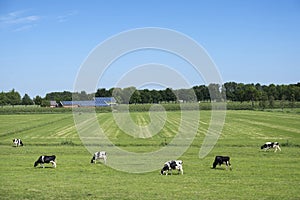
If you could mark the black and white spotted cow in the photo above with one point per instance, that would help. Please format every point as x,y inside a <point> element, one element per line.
<point>219,160</point>
<point>269,145</point>
<point>17,142</point>
<point>99,155</point>
<point>46,159</point>
<point>172,165</point>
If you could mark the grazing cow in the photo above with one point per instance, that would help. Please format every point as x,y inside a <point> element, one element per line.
<point>17,142</point>
<point>269,145</point>
<point>99,155</point>
<point>172,165</point>
<point>46,159</point>
<point>222,160</point>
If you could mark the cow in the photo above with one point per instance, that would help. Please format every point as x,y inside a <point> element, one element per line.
<point>99,155</point>
<point>17,142</point>
<point>46,159</point>
<point>222,160</point>
<point>172,165</point>
<point>269,145</point>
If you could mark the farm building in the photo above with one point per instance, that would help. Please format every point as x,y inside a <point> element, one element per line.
<point>96,102</point>
<point>53,104</point>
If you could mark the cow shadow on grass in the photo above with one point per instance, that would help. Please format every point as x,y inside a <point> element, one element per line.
<point>218,168</point>
<point>98,163</point>
<point>221,169</point>
<point>45,167</point>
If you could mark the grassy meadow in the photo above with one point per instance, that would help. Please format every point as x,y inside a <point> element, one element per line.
<point>255,175</point>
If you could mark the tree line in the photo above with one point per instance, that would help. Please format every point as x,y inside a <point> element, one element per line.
<point>230,91</point>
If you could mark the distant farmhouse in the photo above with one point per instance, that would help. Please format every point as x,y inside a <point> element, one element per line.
<point>96,102</point>
<point>53,104</point>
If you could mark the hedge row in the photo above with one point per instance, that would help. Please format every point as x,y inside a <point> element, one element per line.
<point>152,107</point>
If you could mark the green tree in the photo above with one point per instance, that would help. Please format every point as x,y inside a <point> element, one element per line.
<point>37,100</point>
<point>3,99</point>
<point>156,96</point>
<point>145,96</point>
<point>250,93</point>
<point>282,102</point>
<point>127,93</point>
<point>102,92</point>
<point>45,103</point>
<point>263,100</point>
<point>169,95</point>
<point>26,100</point>
<point>135,97</point>
<point>59,96</point>
<point>202,93</point>
<point>187,95</point>
<point>14,98</point>
<point>271,101</point>
<point>215,91</point>
<point>292,102</point>
<point>117,94</point>
<point>231,90</point>
<point>240,92</point>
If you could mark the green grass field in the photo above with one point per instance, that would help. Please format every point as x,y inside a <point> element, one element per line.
<point>256,174</point>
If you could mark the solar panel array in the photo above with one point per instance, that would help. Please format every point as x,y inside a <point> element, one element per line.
<point>97,102</point>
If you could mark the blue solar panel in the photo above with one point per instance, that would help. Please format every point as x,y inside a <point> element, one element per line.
<point>98,101</point>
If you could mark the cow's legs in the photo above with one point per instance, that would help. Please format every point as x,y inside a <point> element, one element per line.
<point>276,148</point>
<point>53,164</point>
<point>279,148</point>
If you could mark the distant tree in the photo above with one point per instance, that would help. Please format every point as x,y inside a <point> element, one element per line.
<point>271,101</point>
<point>117,94</point>
<point>230,90</point>
<point>156,96</point>
<point>145,96</point>
<point>250,93</point>
<point>135,97</point>
<point>240,92</point>
<point>102,92</point>
<point>14,98</point>
<point>37,100</point>
<point>202,93</point>
<point>187,95</point>
<point>272,91</point>
<point>263,100</point>
<point>45,103</point>
<point>282,102</point>
<point>292,102</point>
<point>82,96</point>
<point>26,100</point>
<point>169,95</point>
<point>59,96</point>
<point>215,92</point>
<point>3,99</point>
<point>127,93</point>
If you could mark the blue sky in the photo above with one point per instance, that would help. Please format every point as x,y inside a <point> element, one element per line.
<point>44,43</point>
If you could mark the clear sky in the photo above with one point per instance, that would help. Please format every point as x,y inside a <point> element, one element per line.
<point>44,43</point>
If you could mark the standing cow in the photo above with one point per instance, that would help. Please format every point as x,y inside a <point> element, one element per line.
<point>99,155</point>
<point>46,159</point>
<point>269,145</point>
<point>17,142</point>
<point>219,160</point>
<point>172,165</point>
